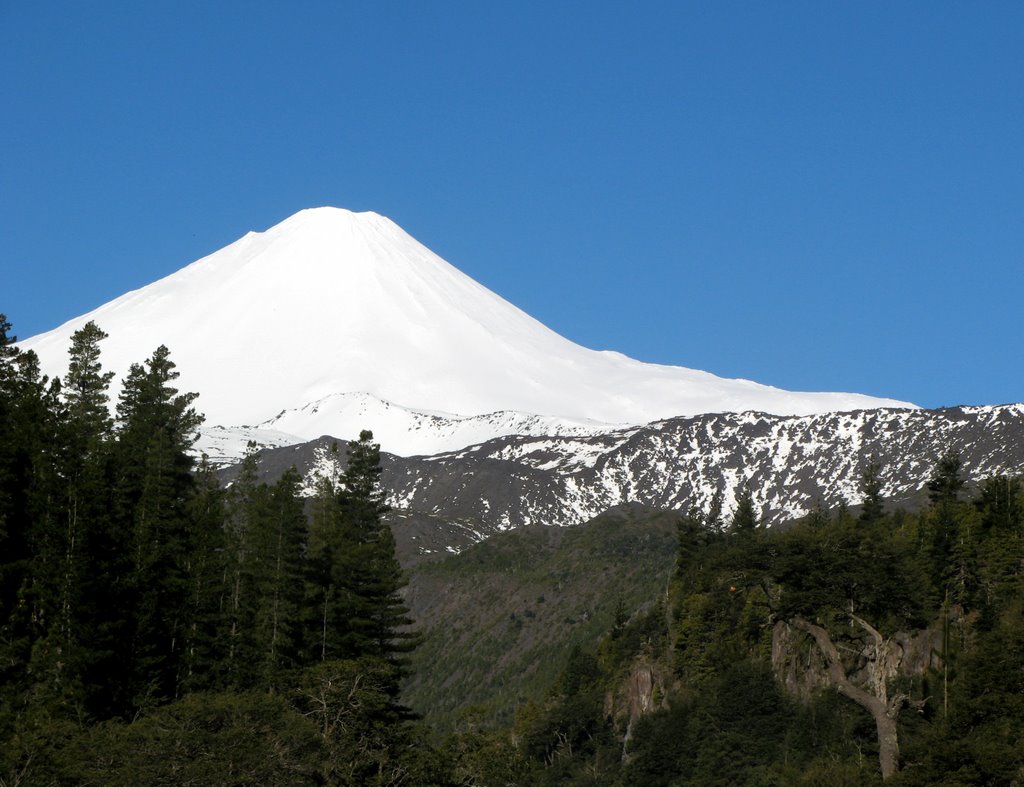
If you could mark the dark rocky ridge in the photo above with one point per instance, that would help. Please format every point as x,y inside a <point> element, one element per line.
<point>444,502</point>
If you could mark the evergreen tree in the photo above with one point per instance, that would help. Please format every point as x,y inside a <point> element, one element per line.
<point>693,537</point>
<point>260,633</point>
<point>872,509</point>
<point>14,461</point>
<point>325,542</point>
<point>280,539</point>
<point>7,349</point>
<point>1001,505</point>
<point>354,577</point>
<point>237,637</point>
<point>946,483</point>
<point>817,517</point>
<point>157,427</point>
<point>744,517</point>
<point>1000,551</point>
<point>70,536</point>
<point>377,612</point>
<point>26,479</point>
<point>713,517</point>
<point>944,532</point>
<point>85,391</point>
<point>206,572</point>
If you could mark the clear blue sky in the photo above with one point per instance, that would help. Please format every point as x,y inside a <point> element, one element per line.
<point>818,196</point>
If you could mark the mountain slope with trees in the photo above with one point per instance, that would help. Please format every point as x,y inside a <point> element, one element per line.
<point>840,650</point>
<point>496,617</point>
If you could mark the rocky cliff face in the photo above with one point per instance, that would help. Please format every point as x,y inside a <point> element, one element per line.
<point>643,691</point>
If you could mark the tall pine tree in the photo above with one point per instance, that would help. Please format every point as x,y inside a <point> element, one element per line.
<point>26,479</point>
<point>206,570</point>
<point>237,638</point>
<point>872,509</point>
<point>156,428</point>
<point>280,540</point>
<point>354,576</point>
<point>70,538</point>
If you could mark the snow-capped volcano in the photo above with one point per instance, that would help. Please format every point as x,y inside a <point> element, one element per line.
<point>330,303</point>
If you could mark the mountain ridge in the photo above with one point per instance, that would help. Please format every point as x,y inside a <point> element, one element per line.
<point>789,464</point>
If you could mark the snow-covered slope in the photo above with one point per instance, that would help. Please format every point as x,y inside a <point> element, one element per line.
<point>418,432</point>
<point>330,302</point>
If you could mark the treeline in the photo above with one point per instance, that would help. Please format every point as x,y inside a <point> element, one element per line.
<point>838,650</point>
<point>156,628</point>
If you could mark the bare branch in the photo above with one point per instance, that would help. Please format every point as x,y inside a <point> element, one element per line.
<point>871,630</point>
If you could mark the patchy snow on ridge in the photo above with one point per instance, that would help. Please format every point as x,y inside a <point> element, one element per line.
<point>274,327</point>
<point>407,432</point>
<point>789,464</point>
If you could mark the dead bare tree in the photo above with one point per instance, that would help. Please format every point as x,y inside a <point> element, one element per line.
<point>884,656</point>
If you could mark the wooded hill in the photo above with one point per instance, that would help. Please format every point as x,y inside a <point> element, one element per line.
<point>841,650</point>
<point>498,619</point>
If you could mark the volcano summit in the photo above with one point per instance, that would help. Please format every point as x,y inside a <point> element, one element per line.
<point>332,320</point>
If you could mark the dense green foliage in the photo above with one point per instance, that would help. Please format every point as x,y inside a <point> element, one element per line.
<point>156,629</point>
<point>724,682</point>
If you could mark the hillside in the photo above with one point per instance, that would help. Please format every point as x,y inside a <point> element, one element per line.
<point>837,650</point>
<point>498,619</point>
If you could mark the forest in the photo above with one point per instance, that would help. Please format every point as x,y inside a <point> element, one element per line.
<point>839,650</point>
<point>156,628</point>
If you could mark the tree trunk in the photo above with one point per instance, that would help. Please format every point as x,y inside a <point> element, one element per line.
<point>888,743</point>
<point>883,710</point>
